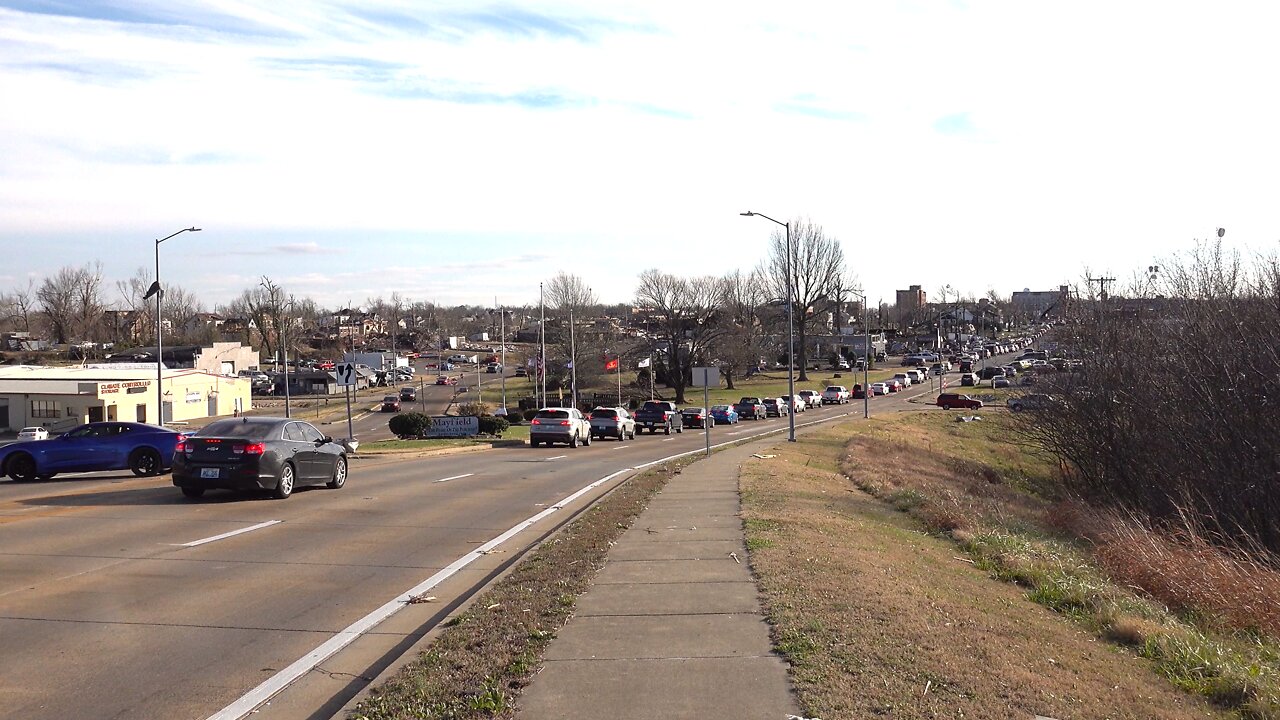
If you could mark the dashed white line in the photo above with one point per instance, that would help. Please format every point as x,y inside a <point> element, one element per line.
<point>233,533</point>
<point>455,477</point>
<point>557,457</point>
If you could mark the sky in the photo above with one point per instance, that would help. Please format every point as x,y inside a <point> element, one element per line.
<point>462,152</point>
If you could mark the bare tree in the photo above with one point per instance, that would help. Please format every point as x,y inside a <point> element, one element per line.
<point>816,261</point>
<point>17,307</point>
<point>689,309</point>
<point>71,300</point>
<point>178,306</point>
<point>739,347</point>
<point>565,291</point>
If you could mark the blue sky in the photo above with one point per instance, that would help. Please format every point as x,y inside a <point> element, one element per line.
<point>462,151</point>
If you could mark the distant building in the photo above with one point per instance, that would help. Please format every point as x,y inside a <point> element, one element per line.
<point>1032,304</point>
<point>910,304</point>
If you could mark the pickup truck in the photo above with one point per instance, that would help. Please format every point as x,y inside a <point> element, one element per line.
<point>656,414</point>
<point>835,395</point>
<point>751,407</point>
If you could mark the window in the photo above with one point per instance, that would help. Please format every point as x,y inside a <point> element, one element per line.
<point>293,432</point>
<point>44,409</point>
<point>71,412</point>
<point>310,433</point>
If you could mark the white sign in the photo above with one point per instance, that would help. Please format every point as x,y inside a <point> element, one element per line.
<point>706,377</point>
<point>346,373</point>
<point>450,426</point>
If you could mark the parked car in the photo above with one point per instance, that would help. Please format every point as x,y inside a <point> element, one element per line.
<point>751,407</point>
<point>812,398</point>
<point>970,379</point>
<point>33,433</point>
<point>143,449</point>
<point>391,403</point>
<point>879,388</point>
<point>258,453</point>
<point>446,380</point>
<point>612,422</point>
<point>559,425</point>
<point>694,417</point>
<point>946,401</point>
<point>835,395</point>
<point>659,415</point>
<point>776,407</point>
<point>1000,382</point>
<point>521,372</point>
<point>1030,402</point>
<point>724,414</point>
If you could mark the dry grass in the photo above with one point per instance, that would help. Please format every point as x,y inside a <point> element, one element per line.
<point>1221,643</point>
<point>881,620</point>
<point>486,655</point>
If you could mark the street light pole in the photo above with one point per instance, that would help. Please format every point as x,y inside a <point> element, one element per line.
<point>866,357</point>
<point>159,293</point>
<point>791,333</point>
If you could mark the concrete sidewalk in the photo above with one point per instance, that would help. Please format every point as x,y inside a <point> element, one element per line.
<point>672,627</point>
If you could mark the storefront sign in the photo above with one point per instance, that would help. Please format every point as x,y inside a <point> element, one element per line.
<point>449,426</point>
<point>193,396</point>
<point>131,386</point>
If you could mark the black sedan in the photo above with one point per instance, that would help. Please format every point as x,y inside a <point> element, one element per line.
<point>258,453</point>
<point>694,417</point>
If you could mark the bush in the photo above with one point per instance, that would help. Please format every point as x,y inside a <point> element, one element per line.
<point>513,418</point>
<point>529,415</point>
<point>409,425</point>
<point>493,425</point>
<point>473,409</point>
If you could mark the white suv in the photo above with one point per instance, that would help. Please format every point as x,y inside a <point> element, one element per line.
<point>553,425</point>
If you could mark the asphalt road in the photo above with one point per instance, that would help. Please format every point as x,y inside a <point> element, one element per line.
<point>120,598</point>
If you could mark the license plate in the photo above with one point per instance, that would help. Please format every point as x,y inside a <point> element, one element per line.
<point>209,473</point>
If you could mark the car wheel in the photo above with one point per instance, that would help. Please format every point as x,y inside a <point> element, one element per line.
<point>22,468</point>
<point>339,474</point>
<point>145,462</point>
<point>680,429</point>
<point>193,492</point>
<point>284,488</point>
<point>586,442</point>
<point>667,429</point>
<point>533,443</point>
<point>573,440</point>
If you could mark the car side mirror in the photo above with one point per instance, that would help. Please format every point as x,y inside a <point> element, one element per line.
<point>324,441</point>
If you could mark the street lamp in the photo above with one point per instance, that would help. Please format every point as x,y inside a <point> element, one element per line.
<point>155,290</point>
<point>791,337</point>
<point>866,355</point>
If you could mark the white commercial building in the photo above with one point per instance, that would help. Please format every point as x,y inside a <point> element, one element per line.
<point>61,398</point>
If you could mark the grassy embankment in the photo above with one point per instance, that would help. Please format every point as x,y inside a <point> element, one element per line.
<point>875,546</point>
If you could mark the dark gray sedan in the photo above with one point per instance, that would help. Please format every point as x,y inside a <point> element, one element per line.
<point>258,453</point>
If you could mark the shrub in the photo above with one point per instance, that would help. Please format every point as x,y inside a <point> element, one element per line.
<point>409,425</point>
<point>493,425</point>
<point>514,418</point>
<point>473,409</point>
<point>529,415</point>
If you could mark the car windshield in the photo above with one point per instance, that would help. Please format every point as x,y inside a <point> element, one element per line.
<point>238,429</point>
<point>719,408</point>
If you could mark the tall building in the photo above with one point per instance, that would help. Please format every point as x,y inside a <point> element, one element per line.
<point>1031,304</point>
<point>911,304</point>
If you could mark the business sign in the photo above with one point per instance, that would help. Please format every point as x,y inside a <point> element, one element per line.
<point>132,386</point>
<point>450,426</point>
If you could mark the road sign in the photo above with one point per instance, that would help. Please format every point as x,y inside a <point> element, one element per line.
<point>706,377</point>
<point>346,373</point>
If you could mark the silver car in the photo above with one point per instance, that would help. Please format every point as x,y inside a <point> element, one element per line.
<point>564,425</point>
<point>612,422</point>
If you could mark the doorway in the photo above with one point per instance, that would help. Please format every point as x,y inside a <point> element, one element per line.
<point>95,414</point>
<point>142,413</point>
<point>111,413</point>
<point>213,405</point>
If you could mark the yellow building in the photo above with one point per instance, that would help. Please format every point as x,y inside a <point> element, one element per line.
<point>61,398</point>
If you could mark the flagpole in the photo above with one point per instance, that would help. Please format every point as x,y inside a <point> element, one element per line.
<point>650,375</point>
<point>619,381</point>
<point>502,338</point>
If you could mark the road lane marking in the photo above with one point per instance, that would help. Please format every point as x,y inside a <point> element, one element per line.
<point>668,439</point>
<point>557,457</point>
<point>282,679</point>
<point>455,477</point>
<point>233,533</point>
<point>622,447</point>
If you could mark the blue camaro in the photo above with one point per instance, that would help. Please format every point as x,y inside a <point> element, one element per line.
<point>144,449</point>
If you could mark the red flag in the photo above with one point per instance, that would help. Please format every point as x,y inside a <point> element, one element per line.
<point>611,364</point>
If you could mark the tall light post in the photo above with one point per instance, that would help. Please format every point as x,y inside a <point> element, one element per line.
<point>159,293</point>
<point>791,333</point>
<point>866,355</point>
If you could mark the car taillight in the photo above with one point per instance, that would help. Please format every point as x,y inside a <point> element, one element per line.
<point>536,421</point>
<point>564,422</point>
<point>249,449</point>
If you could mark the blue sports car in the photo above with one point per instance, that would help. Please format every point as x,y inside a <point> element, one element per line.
<point>144,449</point>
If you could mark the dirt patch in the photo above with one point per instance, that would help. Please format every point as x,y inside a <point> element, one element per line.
<point>882,620</point>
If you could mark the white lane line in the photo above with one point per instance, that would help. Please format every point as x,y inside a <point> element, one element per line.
<point>305,664</point>
<point>622,447</point>
<point>557,457</point>
<point>226,535</point>
<point>455,477</point>
<point>668,439</point>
